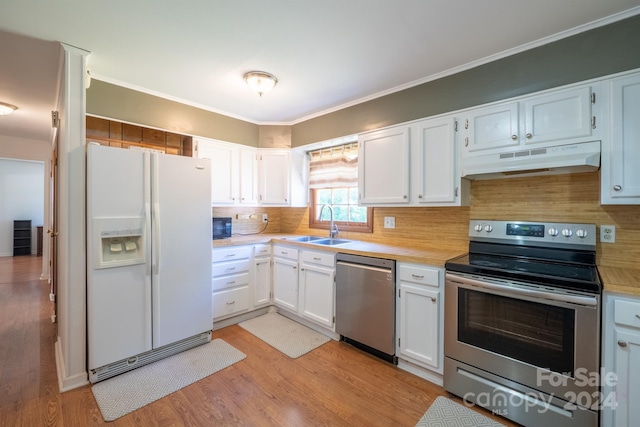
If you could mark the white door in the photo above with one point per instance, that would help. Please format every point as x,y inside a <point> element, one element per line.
<point>181,248</point>
<point>224,173</point>
<point>433,161</point>
<point>558,116</point>
<point>248,177</point>
<point>285,283</point>
<point>492,127</point>
<point>627,389</point>
<point>118,298</point>
<point>275,169</point>
<point>317,293</point>
<point>261,282</point>
<point>419,316</point>
<point>383,163</point>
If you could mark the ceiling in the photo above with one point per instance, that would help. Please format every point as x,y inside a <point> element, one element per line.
<point>326,54</point>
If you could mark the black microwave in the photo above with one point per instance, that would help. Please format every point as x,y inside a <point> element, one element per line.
<point>221,227</point>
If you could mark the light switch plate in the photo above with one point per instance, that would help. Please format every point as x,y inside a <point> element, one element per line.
<point>607,233</point>
<point>389,222</point>
<point>265,218</point>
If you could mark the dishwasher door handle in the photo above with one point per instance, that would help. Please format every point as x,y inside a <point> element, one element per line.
<point>364,267</point>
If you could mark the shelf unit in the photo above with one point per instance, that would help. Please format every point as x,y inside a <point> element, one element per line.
<point>21,237</point>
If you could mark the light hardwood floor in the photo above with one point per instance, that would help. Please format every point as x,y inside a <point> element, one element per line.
<point>334,385</point>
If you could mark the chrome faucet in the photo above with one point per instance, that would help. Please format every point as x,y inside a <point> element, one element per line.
<point>333,229</point>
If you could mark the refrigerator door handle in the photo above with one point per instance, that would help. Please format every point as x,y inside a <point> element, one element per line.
<point>156,238</point>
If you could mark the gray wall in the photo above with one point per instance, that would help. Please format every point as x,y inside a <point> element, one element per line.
<point>599,52</point>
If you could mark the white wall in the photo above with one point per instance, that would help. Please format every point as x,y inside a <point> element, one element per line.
<point>21,197</point>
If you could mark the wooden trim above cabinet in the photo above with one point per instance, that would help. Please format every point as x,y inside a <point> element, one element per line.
<point>124,135</point>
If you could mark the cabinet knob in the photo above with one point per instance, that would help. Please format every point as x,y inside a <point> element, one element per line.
<point>433,299</point>
<point>514,137</point>
<point>622,344</point>
<point>404,197</point>
<point>617,187</point>
<point>419,196</point>
<point>466,141</point>
<point>529,136</point>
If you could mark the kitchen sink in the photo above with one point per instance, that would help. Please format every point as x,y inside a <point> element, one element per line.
<point>330,242</point>
<point>311,239</point>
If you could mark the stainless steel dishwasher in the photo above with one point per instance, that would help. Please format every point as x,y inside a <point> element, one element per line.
<point>366,303</point>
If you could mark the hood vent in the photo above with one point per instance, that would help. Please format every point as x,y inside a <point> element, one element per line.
<point>573,158</point>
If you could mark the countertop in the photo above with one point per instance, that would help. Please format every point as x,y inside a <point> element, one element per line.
<point>614,279</point>
<point>424,255</point>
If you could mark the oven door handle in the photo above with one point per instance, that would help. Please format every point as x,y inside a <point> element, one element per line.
<point>573,299</point>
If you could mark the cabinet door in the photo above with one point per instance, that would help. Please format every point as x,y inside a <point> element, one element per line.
<point>261,282</point>
<point>558,116</point>
<point>317,293</point>
<point>620,154</point>
<point>285,283</point>
<point>419,314</point>
<point>627,389</point>
<point>383,162</point>
<point>223,171</point>
<point>248,177</point>
<point>491,127</point>
<point>433,161</point>
<point>274,177</point>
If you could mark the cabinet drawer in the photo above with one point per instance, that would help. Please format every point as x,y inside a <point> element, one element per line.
<point>419,274</point>
<point>627,313</point>
<point>231,267</point>
<point>285,252</point>
<point>230,301</point>
<point>230,281</point>
<point>228,254</point>
<point>261,250</point>
<point>321,258</point>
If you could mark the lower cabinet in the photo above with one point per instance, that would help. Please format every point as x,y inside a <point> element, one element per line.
<point>285,277</point>
<point>621,356</point>
<point>419,311</point>
<point>317,287</point>
<point>261,279</point>
<point>231,281</point>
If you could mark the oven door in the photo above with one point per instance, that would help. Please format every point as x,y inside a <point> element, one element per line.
<point>538,337</point>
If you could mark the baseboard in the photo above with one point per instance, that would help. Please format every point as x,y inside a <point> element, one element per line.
<point>66,383</point>
<point>219,324</point>
<point>421,372</point>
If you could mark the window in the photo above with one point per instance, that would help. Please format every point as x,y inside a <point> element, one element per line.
<point>333,180</point>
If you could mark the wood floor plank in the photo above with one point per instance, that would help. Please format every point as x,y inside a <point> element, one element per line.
<point>334,385</point>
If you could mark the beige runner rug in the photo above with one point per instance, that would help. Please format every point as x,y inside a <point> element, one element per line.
<point>283,334</point>
<point>132,390</point>
<point>445,412</point>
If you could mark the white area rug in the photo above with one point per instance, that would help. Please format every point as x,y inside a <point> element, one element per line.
<point>132,390</point>
<point>285,335</point>
<point>447,413</point>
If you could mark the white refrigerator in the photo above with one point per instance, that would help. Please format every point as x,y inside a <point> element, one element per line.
<point>148,257</point>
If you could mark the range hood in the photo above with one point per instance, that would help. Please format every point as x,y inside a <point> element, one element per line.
<point>573,158</point>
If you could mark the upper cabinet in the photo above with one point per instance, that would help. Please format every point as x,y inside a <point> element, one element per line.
<point>412,165</point>
<point>234,172</point>
<point>383,166</point>
<point>620,175</point>
<point>559,117</point>
<point>283,177</point>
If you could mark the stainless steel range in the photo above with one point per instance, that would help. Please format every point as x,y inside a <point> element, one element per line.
<point>522,322</point>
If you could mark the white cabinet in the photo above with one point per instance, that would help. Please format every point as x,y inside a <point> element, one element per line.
<point>317,287</point>
<point>383,166</point>
<point>621,350</point>
<point>419,312</point>
<point>285,277</point>
<point>620,175</point>
<point>283,178</point>
<point>230,281</point>
<point>557,117</point>
<point>261,275</point>
<point>234,172</point>
<point>435,175</point>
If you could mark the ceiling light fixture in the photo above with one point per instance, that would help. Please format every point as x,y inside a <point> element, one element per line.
<point>260,82</point>
<point>6,109</point>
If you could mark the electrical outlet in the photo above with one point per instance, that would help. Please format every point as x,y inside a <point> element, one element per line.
<point>389,222</point>
<point>265,218</point>
<point>607,233</point>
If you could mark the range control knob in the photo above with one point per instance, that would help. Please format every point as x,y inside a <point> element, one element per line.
<point>488,228</point>
<point>478,227</point>
<point>553,231</point>
<point>581,233</point>
<point>567,233</point>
